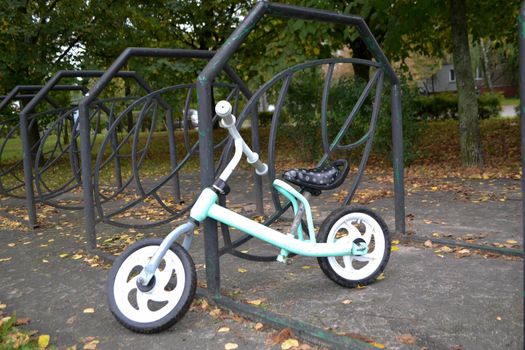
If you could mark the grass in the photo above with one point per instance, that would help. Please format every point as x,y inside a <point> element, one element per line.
<point>11,337</point>
<point>437,148</point>
<point>510,102</point>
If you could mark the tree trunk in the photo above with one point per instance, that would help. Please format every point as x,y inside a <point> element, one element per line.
<point>359,50</point>
<point>470,143</point>
<point>485,61</point>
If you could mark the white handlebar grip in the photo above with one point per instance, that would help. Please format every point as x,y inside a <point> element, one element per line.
<point>223,109</point>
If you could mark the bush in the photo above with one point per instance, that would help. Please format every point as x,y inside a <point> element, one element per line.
<point>445,105</point>
<point>303,110</point>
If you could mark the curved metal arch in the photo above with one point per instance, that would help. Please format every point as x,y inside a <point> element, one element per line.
<point>286,77</point>
<point>137,157</point>
<point>205,111</point>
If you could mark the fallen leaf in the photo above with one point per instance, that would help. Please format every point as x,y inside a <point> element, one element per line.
<point>427,221</point>
<point>92,345</point>
<point>258,326</point>
<point>347,302</point>
<point>21,321</point>
<point>223,330</point>
<point>281,336</point>
<point>43,341</point>
<point>511,241</point>
<point>394,248</point>
<point>406,339</point>
<point>395,241</point>
<point>215,312</point>
<point>76,256</point>
<point>241,270</point>
<point>89,310</point>
<point>11,245</point>
<point>289,343</point>
<point>230,346</point>
<point>380,277</point>
<point>2,306</point>
<point>463,253</point>
<point>498,318</point>
<point>255,302</point>
<point>428,243</point>
<point>64,255</point>
<point>71,320</point>
<point>5,259</point>
<point>377,345</point>
<point>45,261</point>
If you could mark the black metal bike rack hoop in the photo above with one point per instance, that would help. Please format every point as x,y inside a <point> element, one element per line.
<point>26,118</point>
<point>90,176</point>
<point>9,126</point>
<point>218,61</point>
<point>210,72</point>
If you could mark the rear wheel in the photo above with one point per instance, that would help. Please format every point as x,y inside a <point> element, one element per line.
<point>355,224</point>
<point>160,304</point>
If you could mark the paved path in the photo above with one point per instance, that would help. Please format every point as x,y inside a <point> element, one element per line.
<point>440,300</point>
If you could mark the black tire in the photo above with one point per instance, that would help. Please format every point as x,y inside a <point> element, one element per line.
<point>137,256</point>
<point>332,267</point>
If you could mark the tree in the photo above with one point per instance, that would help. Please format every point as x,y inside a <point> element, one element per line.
<point>469,134</point>
<point>436,27</point>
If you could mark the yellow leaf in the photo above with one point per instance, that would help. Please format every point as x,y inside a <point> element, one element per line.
<point>64,255</point>
<point>242,270</point>
<point>380,277</point>
<point>43,341</point>
<point>394,248</point>
<point>89,310</point>
<point>395,241</point>
<point>255,302</point>
<point>76,256</point>
<point>5,259</point>
<point>45,261</point>
<point>289,343</point>
<point>511,241</point>
<point>427,221</point>
<point>215,312</point>
<point>347,301</point>
<point>377,345</point>
<point>92,345</point>
<point>223,330</point>
<point>11,245</point>
<point>230,346</point>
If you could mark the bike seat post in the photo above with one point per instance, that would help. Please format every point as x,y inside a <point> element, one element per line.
<point>298,216</point>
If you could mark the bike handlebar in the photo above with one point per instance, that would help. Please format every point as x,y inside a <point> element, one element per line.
<point>224,110</point>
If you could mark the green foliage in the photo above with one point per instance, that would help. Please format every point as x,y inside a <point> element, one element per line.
<point>445,105</point>
<point>303,110</point>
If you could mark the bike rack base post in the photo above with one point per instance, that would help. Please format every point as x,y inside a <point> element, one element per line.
<point>397,159</point>
<point>301,329</point>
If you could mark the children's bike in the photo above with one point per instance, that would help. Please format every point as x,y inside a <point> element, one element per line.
<point>152,284</point>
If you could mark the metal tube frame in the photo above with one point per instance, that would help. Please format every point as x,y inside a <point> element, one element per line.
<point>205,112</point>
<point>87,172</point>
<point>24,122</point>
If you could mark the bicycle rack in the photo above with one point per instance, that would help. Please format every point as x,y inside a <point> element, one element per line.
<point>10,181</point>
<point>35,166</point>
<point>149,107</point>
<point>382,69</point>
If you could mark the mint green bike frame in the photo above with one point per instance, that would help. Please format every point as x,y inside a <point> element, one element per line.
<point>206,207</point>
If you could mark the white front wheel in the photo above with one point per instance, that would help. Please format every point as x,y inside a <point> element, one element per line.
<point>160,304</point>
<point>355,225</point>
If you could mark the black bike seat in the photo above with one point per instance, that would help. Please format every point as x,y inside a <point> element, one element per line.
<point>319,179</point>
